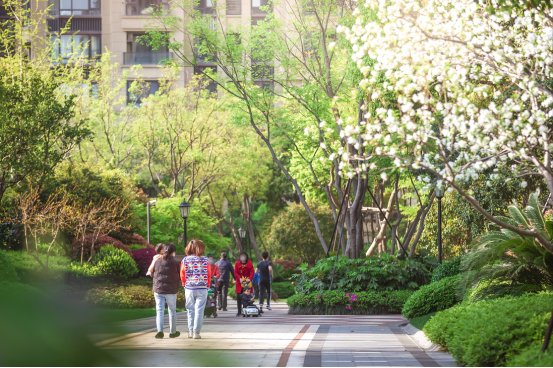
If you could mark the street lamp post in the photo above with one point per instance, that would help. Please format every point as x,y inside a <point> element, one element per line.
<point>149,205</point>
<point>242,232</point>
<point>184,208</point>
<point>439,195</point>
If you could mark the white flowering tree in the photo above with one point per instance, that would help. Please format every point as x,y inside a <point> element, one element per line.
<point>473,91</point>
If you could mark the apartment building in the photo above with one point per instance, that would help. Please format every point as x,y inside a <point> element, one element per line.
<point>115,25</point>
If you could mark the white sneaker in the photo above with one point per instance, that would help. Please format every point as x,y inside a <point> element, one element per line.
<point>197,335</point>
<point>190,334</point>
<point>269,307</point>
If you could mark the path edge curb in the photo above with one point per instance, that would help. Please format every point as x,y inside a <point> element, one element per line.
<point>420,338</point>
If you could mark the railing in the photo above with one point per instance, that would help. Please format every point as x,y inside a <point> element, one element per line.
<point>145,58</point>
<point>145,8</point>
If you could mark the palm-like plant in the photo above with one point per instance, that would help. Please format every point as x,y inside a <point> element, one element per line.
<point>503,262</point>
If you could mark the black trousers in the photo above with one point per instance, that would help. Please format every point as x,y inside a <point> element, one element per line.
<point>239,303</point>
<point>222,290</point>
<point>264,285</point>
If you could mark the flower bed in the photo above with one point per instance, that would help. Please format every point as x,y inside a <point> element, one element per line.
<point>340,302</point>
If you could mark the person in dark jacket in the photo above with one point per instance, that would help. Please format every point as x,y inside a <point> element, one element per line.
<point>225,272</point>
<point>166,277</point>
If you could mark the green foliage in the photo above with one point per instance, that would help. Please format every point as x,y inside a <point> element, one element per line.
<point>137,246</point>
<point>115,262</point>
<point>435,297</point>
<point>490,332</point>
<point>446,269</point>
<point>420,322</point>
<point>167,224</point>
<point>386,272</point>
<point>28,269</point>
<point>107,315</point>
<point>293,232</point>
<point>127,297</point>
<point>341,302</point>
<point>508,263</point>
<point>283,289</point>
<point>7,270</point>
<point>35,133</point>
<point>57,331</point>
<point>533,357</point>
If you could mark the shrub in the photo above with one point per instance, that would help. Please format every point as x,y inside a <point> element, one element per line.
<point>7,270</point>
<point>287,265</point>
<point>137,246</point>
<point>419,322</point>
<point>533,357</point>
<point>127,297</point>
<point>127,237</point>
<point>340,302</point>
<point>432,298</point>
<point>283,289</point>
<point>143,258</point>
<point>100,242</point>
<point>29,270</point>
<point>490,332</point>
<point>446,269</point>
<point>115,262</point>
<point>378,273</point>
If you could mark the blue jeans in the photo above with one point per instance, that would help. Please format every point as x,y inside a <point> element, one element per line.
<point>171,300</point>
<point>195,305</point>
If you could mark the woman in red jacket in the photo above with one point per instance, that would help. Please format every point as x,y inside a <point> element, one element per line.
<point>242,268</point>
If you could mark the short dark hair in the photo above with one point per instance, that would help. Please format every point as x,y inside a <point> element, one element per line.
<point>210,256</point>
<point>265,255</point>
<point>224,255</point>
<point>159,248</point>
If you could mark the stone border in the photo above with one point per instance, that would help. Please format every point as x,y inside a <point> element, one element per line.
<point>419,337</point>
<point>410,346</point>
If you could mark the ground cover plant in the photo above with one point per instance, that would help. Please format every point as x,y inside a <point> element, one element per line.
<point>420,322</point>
<point>434,297</point>
<point>341,302</point>
<point>126,297</point>
<point>491,332</point>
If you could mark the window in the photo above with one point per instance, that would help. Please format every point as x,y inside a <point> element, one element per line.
<point>74,7</point>
<point>210,85</point>
<point>266,85</point>
<point>234,7</point>
<point>202,52</point>
<point>257,4</point>
<point>139,53</point>
<point>78,46</point>
<point>134,96</point>
<point>145,7</point>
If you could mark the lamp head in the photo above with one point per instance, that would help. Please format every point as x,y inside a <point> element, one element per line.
<point>184,209</point>
<point>242,232</point>
<point>439,192</point>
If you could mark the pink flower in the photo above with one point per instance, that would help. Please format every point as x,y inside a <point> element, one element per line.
<point>348,307</point>
<point>347,294</point>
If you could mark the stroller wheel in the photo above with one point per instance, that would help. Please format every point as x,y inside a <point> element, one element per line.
<point>249,315</point>
<point>243,315</point>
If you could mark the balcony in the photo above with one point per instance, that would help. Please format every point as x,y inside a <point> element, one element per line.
<point>145,7</point>
<point>145,58</point>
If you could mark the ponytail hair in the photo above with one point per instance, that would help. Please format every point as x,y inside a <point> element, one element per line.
<point>169,250</point>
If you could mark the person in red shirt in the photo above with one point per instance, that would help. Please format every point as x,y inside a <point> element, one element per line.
<point>213,268</point>
<point>242,269</point>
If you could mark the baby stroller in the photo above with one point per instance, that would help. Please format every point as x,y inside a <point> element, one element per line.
<point>249,309</point>
<point>211,303</point>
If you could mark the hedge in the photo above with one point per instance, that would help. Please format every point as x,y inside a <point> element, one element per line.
<point>283,289</point>
<point>446,269</point>
<point>533,357</point>
<point>127,297</point>
<point>340,302</point>
<point>491,332</point>
<point>432,298</point>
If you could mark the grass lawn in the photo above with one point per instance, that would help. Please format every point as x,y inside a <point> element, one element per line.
<point>108,315</point>
<point>419,322</point>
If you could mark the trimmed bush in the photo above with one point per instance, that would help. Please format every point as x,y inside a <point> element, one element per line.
<point>137,246</point>
<point>115,262</point>
<point>446,269</point>
<point>7,270</point>
<point>491,332</point>
<point>127,297</point>
<point>287,265</point>
<point>432,298</point>
<point>533,357</point>
<point>283,289</point>
<point>340,302</point>
<point>143,258</point>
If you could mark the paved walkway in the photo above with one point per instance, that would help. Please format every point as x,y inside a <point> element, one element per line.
<point>274,340</point>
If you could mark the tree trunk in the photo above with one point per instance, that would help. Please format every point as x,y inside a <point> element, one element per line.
<point>250,228</point>
<point>381,237</point>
